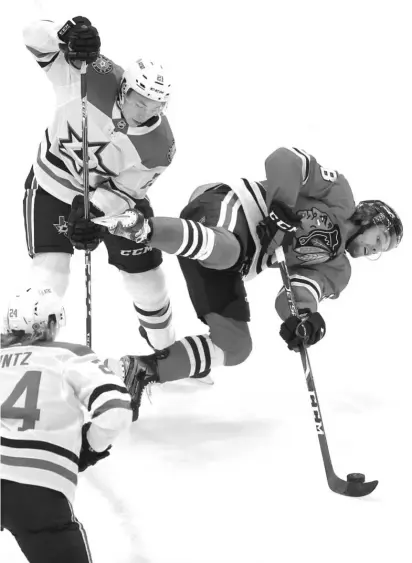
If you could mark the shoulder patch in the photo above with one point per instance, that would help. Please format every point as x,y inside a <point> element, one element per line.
<point>171,152</point>
<point>102,65</point>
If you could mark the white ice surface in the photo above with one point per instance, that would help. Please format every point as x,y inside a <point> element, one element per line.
<point>233,473</point>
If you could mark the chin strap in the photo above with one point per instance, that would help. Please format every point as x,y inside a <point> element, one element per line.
<point>361,230</point>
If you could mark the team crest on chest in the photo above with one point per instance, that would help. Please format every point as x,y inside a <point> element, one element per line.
<point>102,65</point>
<point>71,148</point>
<point>319,239</point>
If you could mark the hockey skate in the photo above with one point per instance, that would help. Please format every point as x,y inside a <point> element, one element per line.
<point>160,354</point>
<point>131,224</point>
<point>140,372</point>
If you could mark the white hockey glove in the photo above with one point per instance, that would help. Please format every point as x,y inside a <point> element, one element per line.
<point>130,224</point>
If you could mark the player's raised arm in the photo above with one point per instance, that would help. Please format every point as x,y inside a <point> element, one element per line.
<point>42,41</point>
<point>56,43</point>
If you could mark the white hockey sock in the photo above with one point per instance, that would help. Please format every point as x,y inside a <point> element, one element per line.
<point>158,325</point>
<point>51,269</point>
<point>198,241</point>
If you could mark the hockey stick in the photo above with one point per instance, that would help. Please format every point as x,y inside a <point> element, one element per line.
<point>85,151</point>
<point>355,485</point>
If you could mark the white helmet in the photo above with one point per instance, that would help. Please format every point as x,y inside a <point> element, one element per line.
<point>32,311</point>
<point>146,78</point>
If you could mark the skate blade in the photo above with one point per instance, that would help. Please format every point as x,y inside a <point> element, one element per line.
<point>107,220</point>
<point>207,380</point>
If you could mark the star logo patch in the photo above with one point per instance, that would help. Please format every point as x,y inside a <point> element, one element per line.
<point>102,65</point>
<point>72,148</point>
<point>61,226</point>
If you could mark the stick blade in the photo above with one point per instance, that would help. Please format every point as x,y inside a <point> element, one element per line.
<point>360,489</point>
<point>349,489</point>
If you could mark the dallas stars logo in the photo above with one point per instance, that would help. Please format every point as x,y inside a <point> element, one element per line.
<point>61,226</point>
<point>72,149</point>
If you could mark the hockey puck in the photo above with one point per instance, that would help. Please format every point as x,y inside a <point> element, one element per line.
<point>356,478</point>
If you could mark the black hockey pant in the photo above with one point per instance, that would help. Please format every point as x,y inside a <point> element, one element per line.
<point>43,524</point>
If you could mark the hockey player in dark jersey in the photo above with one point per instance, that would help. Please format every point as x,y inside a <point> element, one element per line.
<point>45,389</point>
<point>130,145</point>
<point>228,233</point>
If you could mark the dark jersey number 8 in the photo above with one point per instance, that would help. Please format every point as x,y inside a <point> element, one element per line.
<point>328,174</point>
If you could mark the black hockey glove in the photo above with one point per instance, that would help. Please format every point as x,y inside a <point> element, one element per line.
<point>308,329</point>
<point>83,233</point>
<point>272,229</point>
<point>81,38</point>
<point>87,455</point>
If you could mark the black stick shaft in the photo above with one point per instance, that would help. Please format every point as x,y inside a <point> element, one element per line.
<point>310,383</point>
<point>85,151</point>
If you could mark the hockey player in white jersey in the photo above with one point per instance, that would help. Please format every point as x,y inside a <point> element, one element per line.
<point>45,388</point>
<point>227,235</point>
<point>130,145</point>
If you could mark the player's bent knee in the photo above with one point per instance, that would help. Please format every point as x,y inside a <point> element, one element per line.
<point>237,355</point>
<point>232,336</point>
<point>226,250</point>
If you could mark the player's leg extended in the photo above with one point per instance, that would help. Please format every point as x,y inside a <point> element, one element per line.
<point>229,342</point>
<point>214,247</point>
<point>144,280</point>
<point>45,220</point>
<point>43,524</point>
<point>212,229</point>
<point>196,236</point>
<point>219,299</point>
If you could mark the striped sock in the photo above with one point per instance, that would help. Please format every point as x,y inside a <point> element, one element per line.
<point>158,325</point>
<point>198,241</point>
<point>190,357</point>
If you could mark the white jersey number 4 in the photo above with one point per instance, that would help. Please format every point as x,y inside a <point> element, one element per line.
<point>30,414</point>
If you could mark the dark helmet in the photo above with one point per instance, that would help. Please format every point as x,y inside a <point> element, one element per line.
<point>375,212</point>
